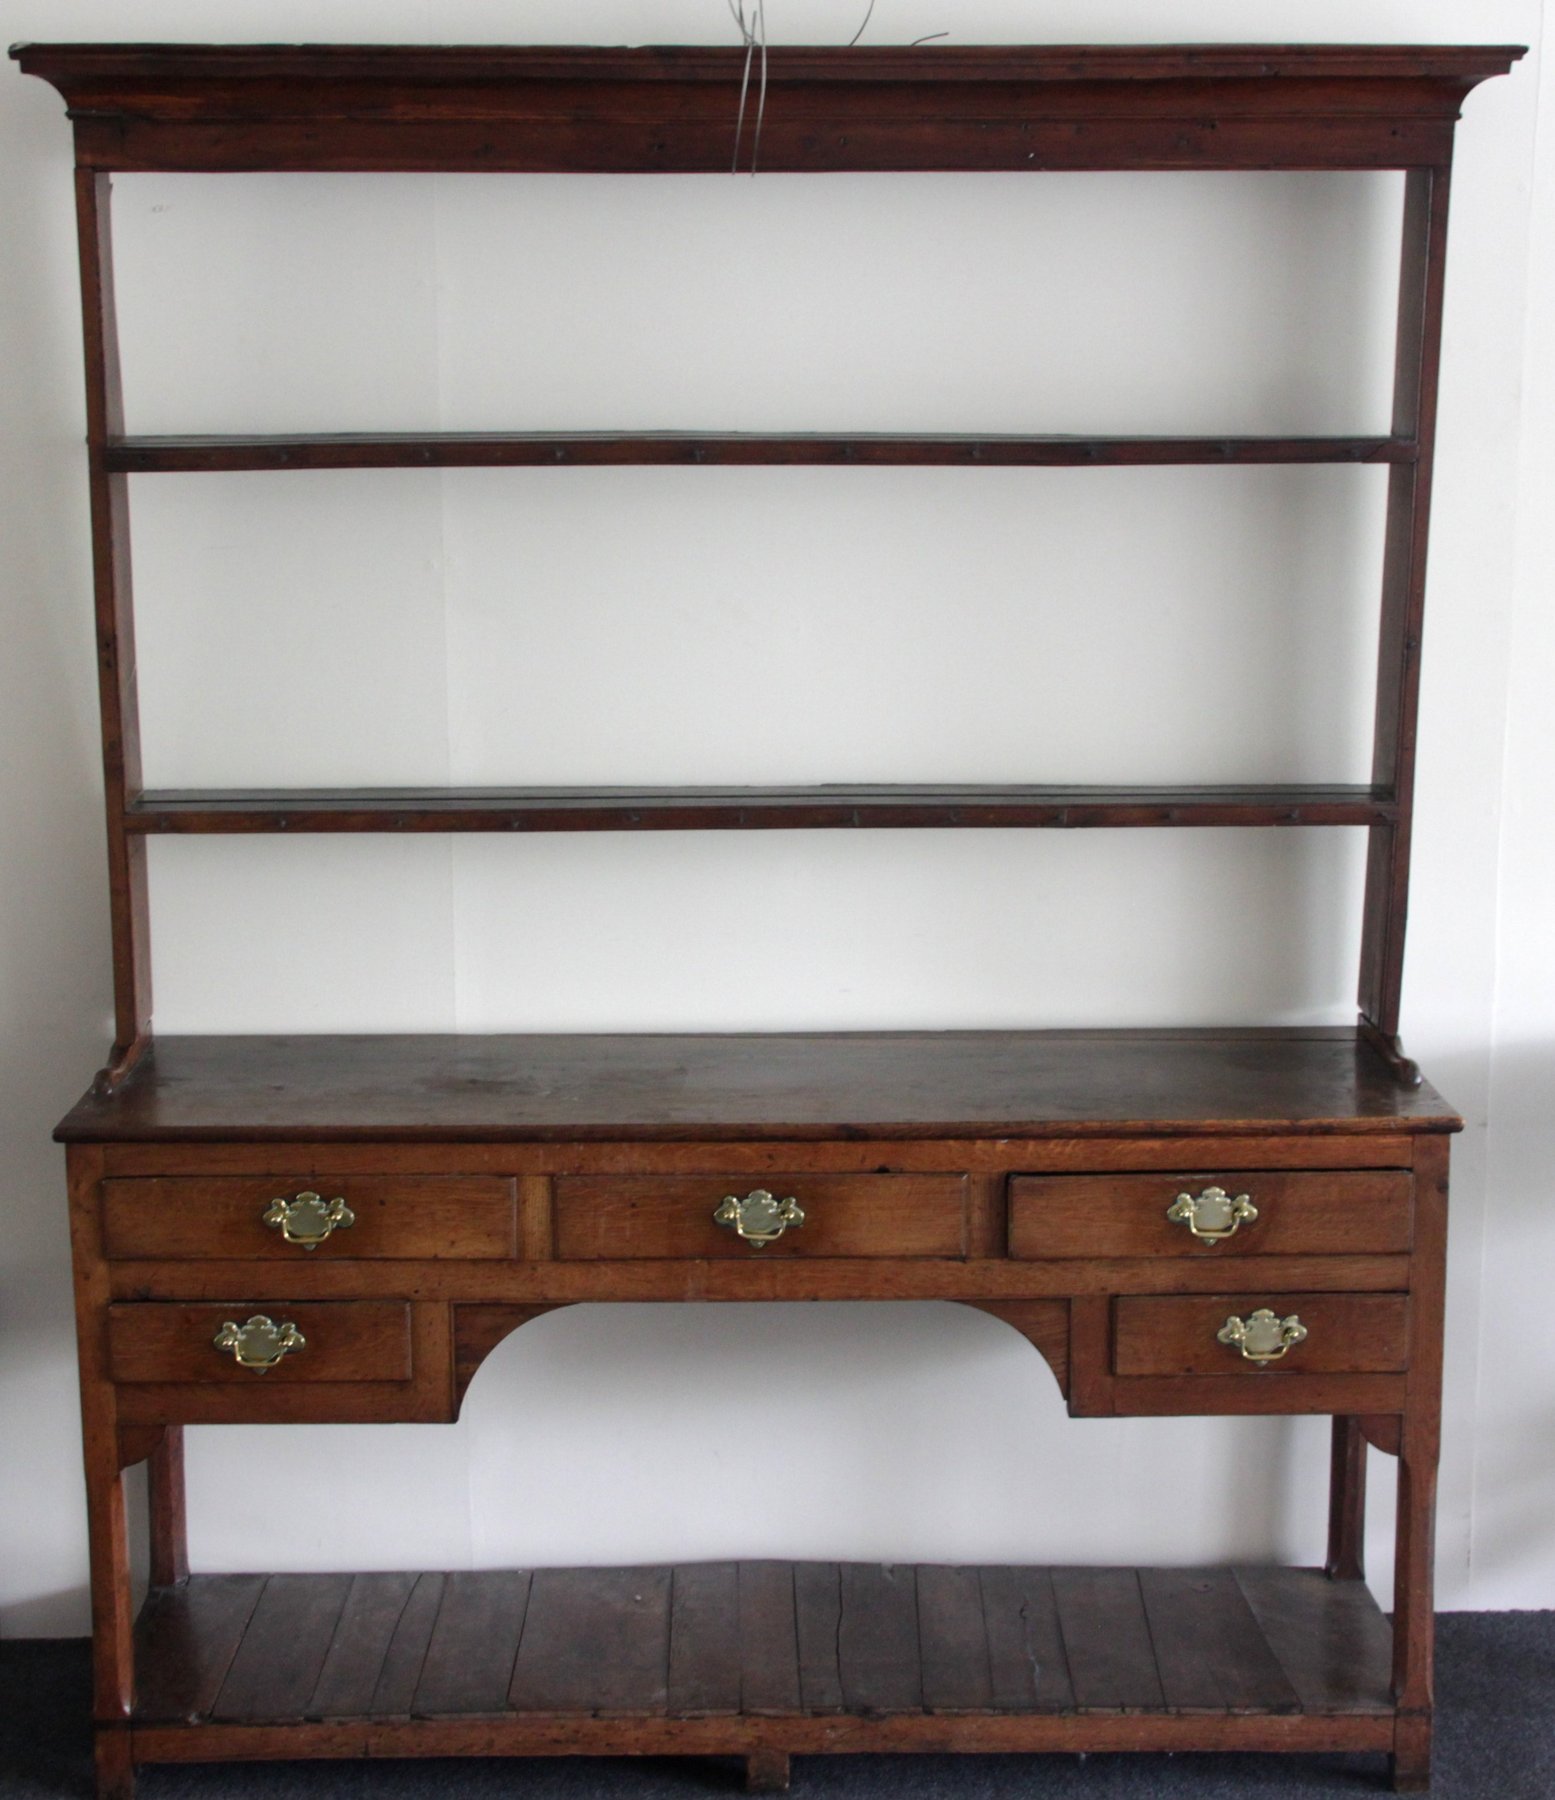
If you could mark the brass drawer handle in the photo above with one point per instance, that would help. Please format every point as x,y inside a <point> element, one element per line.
<point>260,1343</point>
<point>308,1218</point>
<point>759,1218</point>
<point>1213,1215</point>
<point>1264,1336</point>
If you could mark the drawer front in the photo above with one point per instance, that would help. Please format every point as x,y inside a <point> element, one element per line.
<point>343,1340</point>
<point>605,1217</point>
<point>263,1218</point>
<point>1327,1212</point>
<point>1175,1334</point>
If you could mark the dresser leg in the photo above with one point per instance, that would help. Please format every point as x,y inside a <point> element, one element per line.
<point>1347,1502</point>
<point>165,1485</point>
<point>766,1772</point>
<point>1411,1759</point>
<point>115,1771</point>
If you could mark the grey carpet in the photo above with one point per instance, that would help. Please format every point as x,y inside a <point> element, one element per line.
<point>1495,1741</point>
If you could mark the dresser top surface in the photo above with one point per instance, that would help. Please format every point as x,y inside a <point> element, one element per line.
<point>555,1087</point>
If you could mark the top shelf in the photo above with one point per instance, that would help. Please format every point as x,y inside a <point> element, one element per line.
<point>676,110</point>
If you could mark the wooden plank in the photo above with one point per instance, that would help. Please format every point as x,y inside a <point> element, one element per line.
<point>185,1640</point>
<point>549,449</point>
<point>278,1663</point>
<point>831,807</point>
<point>953,1640</point>
<point>704,1658</point>
<point>1107,1640</point>
<point>1210,1653</point>
<point>567,1087</point>
<point>818,1618</point>
<point>595,1641</point>
<point>769,1639</point>
<point>469,1660</point>
<point>1028,1669</point>
<point>395,1694</point>
<point>351,1671</point>
<point>877,1639</point>
<point>1331,1638</point>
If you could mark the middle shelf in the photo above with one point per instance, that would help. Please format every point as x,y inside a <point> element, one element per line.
<point>194,811</point>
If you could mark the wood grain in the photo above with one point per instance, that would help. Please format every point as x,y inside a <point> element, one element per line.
<point>796,1086</point>
<point>613,1217</point>
<point>175,1218</point>
<point>346,1340</point>
<point>1338,1212</point>
<point>1347,1334</point>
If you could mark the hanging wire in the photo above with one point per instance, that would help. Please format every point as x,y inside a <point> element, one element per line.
<point>753,35</point>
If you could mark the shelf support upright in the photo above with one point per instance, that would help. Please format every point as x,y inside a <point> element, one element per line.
<point>1416,368</point>
<point>129,904</point>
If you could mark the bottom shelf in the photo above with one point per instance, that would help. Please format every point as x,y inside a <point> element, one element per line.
<point>708,1657</point>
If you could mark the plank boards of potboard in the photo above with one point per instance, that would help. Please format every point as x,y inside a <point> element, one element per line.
<point>759,1639</point>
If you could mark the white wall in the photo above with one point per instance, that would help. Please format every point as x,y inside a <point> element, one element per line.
<point>662,625</point>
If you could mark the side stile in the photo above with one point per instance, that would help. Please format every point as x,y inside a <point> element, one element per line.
<point>1421,283</point>
<point>129,904</point>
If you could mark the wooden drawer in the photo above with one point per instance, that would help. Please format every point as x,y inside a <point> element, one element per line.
<point>1176,1334</point>
<point>608,1216</point>
<point>1317,1212</point>
<point>346,1340</point>
<point>394,1216</point>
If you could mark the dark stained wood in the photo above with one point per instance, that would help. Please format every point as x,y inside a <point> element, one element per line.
<point>185,1640</point>
<point>818,1620</point>
<point>200,1217</point>
<point>469,1661</point>
<point>595,1641</point>
<point>704,1653</point>
<point>932,107</point>
<point>1347,1501</point>
<point>769,1639</point>
<point>1160,1334</point>
<point>278,1663</point>
<point>349,1677</point>
<point>953,1640</point>
<point>1339,1212</point>
<point>1107,1643</point>
<point>877,1638</point>
<point>1422,280</point>
<point>1329,1637</point>
<point>394,1693</point>
<point>836,806</point>
<point>1209,1650</point>
<point>614,1216</point>
<point>1028,1668</point>
<point>346,1340</point>
<point>1383,1431</point>
<point>128,893</point>
<point>794,1086</point>
<point>166,1503</point>
<point>452,450</point>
